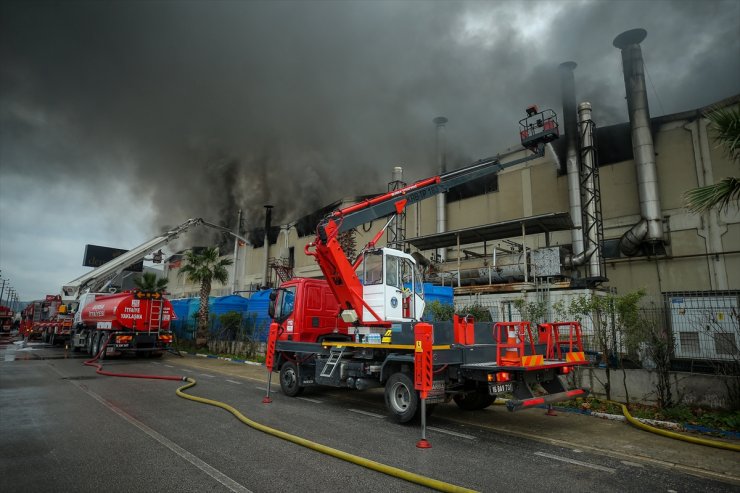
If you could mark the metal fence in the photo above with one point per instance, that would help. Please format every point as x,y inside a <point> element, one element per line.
<point>701,329</point>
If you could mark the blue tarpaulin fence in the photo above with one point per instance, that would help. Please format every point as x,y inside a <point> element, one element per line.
<point>252,311</point>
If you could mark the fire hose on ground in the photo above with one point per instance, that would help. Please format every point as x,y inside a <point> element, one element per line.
<point>666,433</point>
<point>345,456</point>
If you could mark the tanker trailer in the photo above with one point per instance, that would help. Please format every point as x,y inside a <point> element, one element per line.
<point>136,321</point>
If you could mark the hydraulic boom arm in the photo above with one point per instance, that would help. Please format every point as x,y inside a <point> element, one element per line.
<point>96,278</point>
<point>340,272</point>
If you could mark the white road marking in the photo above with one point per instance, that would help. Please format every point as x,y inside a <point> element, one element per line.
<point>200,464</point>
<point>169,366</point>
<point>206,375</point>
<point>453,433</point>
<point>576,462</point>
<point>261,388</point>
<point>156,363</point>
<point>189,371</point>
<point>632,464</point>
<point>366,413</point>
<point>233,381</point>
<point>315,401</point>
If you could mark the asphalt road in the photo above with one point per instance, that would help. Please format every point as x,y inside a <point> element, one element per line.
<point>64,428</point>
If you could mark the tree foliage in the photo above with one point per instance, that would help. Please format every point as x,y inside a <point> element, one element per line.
<point>204,268</point>
<point>725,122</point>
<point>151,283</point>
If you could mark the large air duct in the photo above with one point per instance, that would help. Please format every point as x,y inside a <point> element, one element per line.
<point>590,190</point>
<point>440,122</point>
<point>570,125</point>
<point>650,227</point>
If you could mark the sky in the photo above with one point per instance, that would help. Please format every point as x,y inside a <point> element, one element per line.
<point>120,119</point>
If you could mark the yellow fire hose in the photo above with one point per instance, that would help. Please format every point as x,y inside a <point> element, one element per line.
<point>677,436</point>
<point>360,461</point>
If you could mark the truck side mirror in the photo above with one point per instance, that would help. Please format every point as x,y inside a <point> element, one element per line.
<point>271,305</point>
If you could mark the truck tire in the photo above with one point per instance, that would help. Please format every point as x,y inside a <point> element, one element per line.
<point>474,401</point>
<point>289,379</point>
<point>102,336</point>
<point>95,344</point>
<point>401,399</point>
<point>89,342</point>
<point>72,346</point>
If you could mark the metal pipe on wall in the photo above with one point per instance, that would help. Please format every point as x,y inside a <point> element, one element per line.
<point>440,122</point>
<point>570,125</point>
<point>643,149</point>
<point>268,224</point>
<point>589,189</point>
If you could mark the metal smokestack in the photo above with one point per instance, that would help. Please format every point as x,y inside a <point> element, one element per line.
<point>440,122</point>
<point>590,190</point>
<point>268,225</point>
<point>650,228</point>
<point>570,125</point>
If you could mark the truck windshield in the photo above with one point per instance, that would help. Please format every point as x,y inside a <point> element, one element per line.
<point>285,303</point>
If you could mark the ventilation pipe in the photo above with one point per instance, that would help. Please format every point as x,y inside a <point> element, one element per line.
<point>570,125</point>
<point>591,197</point>
<point>440,122</point>
<point>650,227</point>
<point>268,224</point>
<point>396,233</point>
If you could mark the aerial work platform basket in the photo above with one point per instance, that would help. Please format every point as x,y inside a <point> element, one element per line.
<point>538,128</point>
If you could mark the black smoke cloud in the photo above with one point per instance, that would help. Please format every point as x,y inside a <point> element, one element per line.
<point>209,107</point>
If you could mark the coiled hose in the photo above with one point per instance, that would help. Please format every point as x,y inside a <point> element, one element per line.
<point>354,459</point>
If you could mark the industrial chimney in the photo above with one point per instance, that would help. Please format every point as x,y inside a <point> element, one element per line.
<point>650,227</point>
<point>570,125</point>
<point>268,225</point>
<point>440,122</point>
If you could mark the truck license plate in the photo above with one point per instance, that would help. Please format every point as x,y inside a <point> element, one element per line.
<point>500,388</point>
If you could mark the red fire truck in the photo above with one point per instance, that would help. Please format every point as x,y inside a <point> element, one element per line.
<point>369,334</point>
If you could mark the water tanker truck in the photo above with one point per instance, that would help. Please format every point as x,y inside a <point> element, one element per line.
<point>132,321</point>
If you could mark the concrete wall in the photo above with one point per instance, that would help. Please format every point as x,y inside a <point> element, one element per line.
<point>692,389</point>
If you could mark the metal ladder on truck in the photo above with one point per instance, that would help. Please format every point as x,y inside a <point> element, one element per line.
<point>335,354</point>
<point>155,315</point>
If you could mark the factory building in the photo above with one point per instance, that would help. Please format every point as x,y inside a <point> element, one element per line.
<point>602,210</point>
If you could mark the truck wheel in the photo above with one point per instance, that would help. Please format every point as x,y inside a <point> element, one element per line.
<point>93,343</point>
<point>102,336</point>
<point>88,342</point>
<point>289,379</point>
<point>72,346</point>
<point>473,401</point>
<point>401,399</point>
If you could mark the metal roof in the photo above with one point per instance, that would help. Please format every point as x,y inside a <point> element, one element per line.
<point>544,223</point>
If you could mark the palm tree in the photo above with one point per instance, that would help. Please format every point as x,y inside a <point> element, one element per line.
<point>149,282</point>
<point>726,124</point>
<point>203,268</point>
